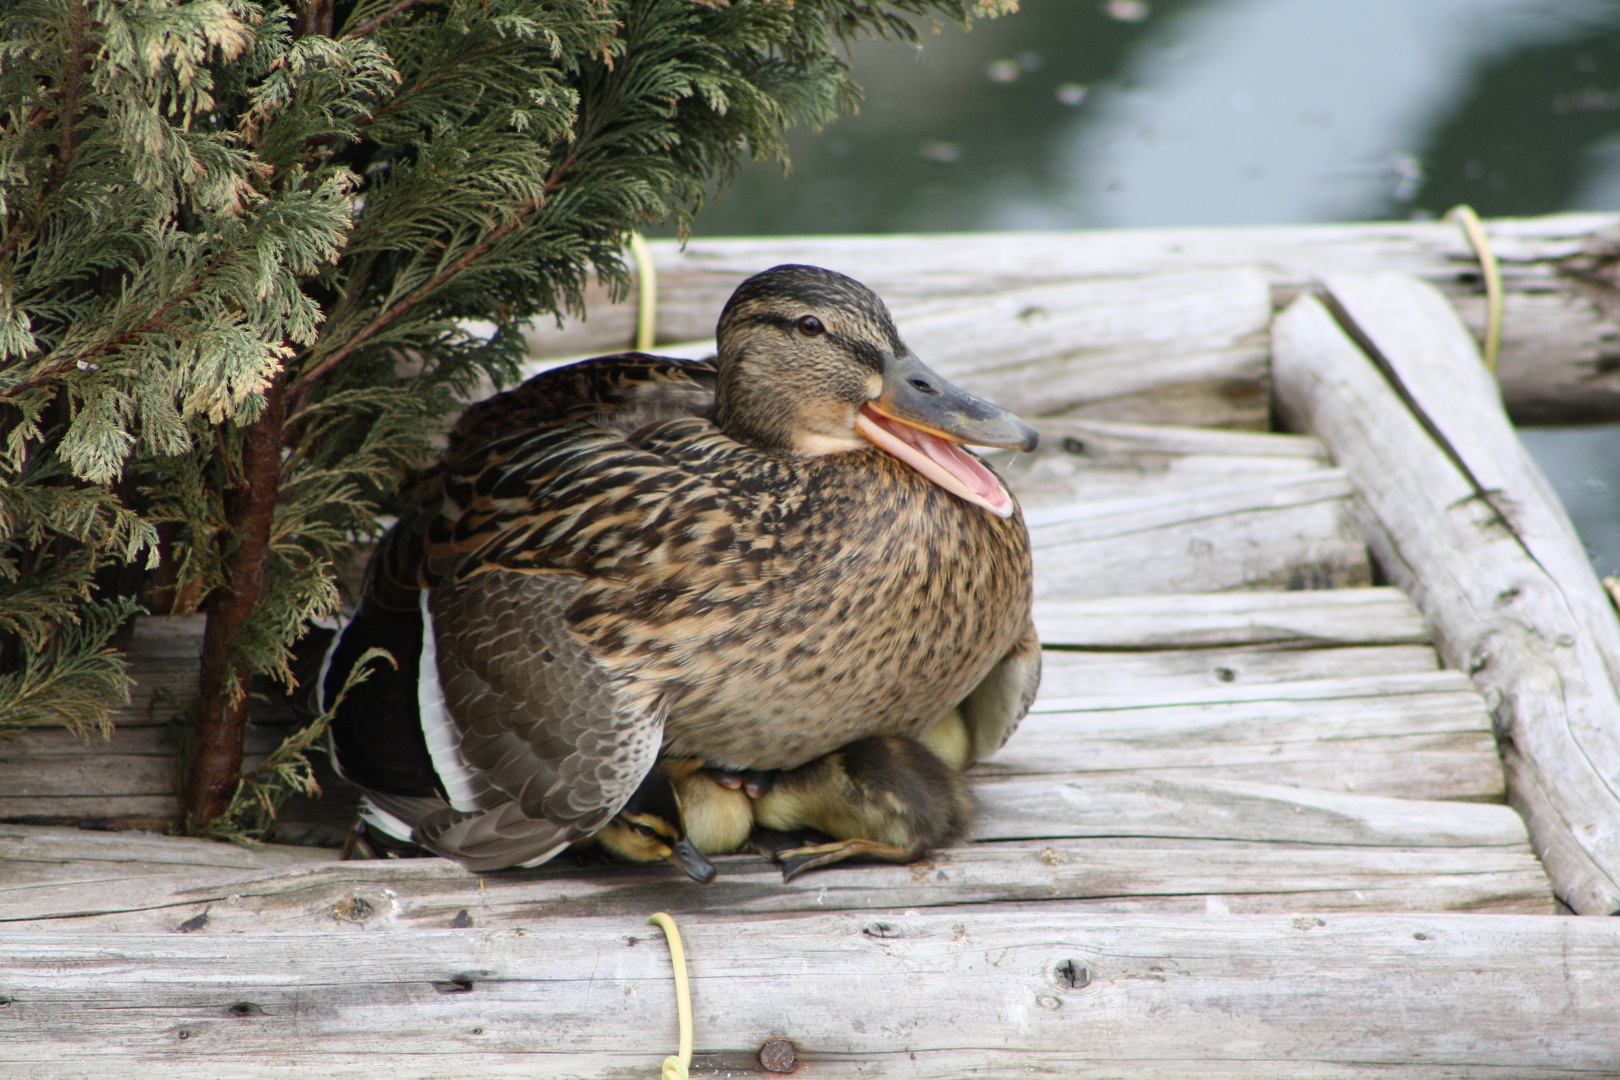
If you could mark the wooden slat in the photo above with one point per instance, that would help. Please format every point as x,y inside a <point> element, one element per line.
<point>1294,532</point>
<point>1556,333</point>
<point>1086,460</point>
<point>1375,616</point>
<point>1075,673</point>
<point>1181,349</point>
<point>914,995</point>
<point>1481,562</point>
<point>74,891</point>
<point>48,772</point>
<point>1423,736</point>
<point>1158,444</point>
<point>1043,807</point>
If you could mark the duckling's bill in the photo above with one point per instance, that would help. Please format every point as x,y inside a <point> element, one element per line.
<point>921,419</point>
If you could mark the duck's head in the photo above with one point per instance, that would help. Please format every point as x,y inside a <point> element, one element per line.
<point>811,363</point>
<point>648,829</point>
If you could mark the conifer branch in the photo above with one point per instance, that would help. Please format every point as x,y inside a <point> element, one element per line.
<point>87,356</point>
<point>381,321</point>
<point>69,98</point>
<point>372,23</point>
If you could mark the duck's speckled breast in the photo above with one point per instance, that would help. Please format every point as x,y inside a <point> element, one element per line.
<point>785,607</point>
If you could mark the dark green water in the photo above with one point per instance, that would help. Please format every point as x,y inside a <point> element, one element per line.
<point>1103,113</point>
<point>1212,112</point>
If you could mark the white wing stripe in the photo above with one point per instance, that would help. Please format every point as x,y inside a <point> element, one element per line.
<point>439,730</point>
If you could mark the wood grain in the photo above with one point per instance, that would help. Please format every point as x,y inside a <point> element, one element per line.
<point>1291,532</point>
<point>1337,995</point>
<point>1361,616</point>
<point>1559,335</point>
<point>87,890</point>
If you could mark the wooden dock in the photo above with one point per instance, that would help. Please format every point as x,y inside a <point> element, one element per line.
<point>1257,824</point>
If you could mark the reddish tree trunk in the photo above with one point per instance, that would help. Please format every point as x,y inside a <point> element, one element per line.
<point>221,721</point>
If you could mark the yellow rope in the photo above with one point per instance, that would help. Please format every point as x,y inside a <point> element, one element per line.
<point>1475,231</point>
<point>646,291</point>
<point>675,1065</point>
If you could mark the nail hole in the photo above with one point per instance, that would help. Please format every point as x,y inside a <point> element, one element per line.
<point>1072,445</point>
<point>462,920</point>
<point>245,1008</point>
<point>882,930</point>
<point>1073,974</point>
<point>461,984</point>
<point>1225,674</point>
<point>193,924</point>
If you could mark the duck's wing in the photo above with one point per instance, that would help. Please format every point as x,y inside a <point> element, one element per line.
<point>508,459</point>
<point>993,710</point>
<point>625,391</point>
<point>553,744</point>
<point>539,740</point>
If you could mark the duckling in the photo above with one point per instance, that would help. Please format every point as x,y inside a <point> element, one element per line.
<point>887,798</point>
<point>716,814</point>
<point>752,561</point>
<point>650,827</point>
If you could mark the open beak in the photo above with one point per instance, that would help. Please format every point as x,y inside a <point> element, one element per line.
<point>921,419</point>
<point>691,861</point>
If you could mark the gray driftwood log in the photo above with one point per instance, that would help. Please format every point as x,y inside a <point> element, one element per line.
<point>933,994</point>
<point>1459,516</point>
<point>1560,359</point>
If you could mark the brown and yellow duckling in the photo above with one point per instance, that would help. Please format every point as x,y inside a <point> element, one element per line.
<point>883,798</point>
<point>753,562</point>
<point>650,827</point>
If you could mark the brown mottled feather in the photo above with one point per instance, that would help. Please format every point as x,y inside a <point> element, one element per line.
<point>781,607</point>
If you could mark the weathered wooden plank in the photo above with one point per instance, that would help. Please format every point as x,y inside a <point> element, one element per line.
<point>1081,460</point>
<point>1395,686</point>
<point>119,896</point>
<point>1160,444</point>
<point>901,995</point>
<point>1500,612</point>
<point>1184,349</point>
<point>50,773</point>
<point>1181,349</point>
<point>1558,334</point>
<point>1074,673</point>
<point>23,845</point>
<point>1425,735</point>
<point>1367,616</point>
<point>1292,532</point>
<point>1042,807</point>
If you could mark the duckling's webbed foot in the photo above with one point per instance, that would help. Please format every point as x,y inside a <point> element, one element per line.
<point>756,782</point>
<point>796,861</point>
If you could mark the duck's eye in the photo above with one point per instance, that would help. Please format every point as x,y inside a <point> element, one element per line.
<point>642,830</point>
<point>809,325</point>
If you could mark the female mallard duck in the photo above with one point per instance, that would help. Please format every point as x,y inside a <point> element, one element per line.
<point>751,561</point>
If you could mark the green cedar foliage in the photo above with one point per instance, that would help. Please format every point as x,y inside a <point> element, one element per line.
<point>216,214</point>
